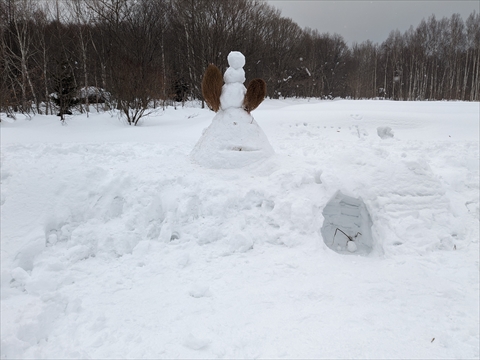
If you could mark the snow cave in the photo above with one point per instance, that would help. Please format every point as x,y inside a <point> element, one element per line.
<point>347,225</point>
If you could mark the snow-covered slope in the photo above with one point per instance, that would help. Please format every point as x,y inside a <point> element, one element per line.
<point>115,245</point>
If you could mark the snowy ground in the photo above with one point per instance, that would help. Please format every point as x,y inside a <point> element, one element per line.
<point>115,245</point>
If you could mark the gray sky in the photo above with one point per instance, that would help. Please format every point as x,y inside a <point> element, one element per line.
<point>360,20</point>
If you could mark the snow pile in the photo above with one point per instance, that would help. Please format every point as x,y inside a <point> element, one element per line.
<point>115,245</point>
<point>233,139</point>
<point>385,132</point>
<point>93,93</point>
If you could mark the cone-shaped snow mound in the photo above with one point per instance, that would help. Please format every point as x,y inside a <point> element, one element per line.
<point>233,140</point>
<point>347,225</point>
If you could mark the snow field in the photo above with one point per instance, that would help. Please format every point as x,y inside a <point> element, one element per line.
<point>116,245</point>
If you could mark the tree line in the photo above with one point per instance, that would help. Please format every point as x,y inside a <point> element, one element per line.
<point>139,54</point>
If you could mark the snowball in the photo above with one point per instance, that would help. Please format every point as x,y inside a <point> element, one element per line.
<point>234,75</point>
<point>385,132</point>
<point>20,275</point>
<point>52,239</point>
<point>236,59</point>
<point>351,246</point>
<point>232,95</point>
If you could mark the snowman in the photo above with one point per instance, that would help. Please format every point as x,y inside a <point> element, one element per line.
<point>234,138</point>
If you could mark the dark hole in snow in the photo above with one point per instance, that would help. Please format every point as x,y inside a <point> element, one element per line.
<point>175,236</point>
<point>242,148</point>
<point>347,225</point>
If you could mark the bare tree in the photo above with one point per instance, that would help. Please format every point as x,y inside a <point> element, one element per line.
<point>20,49</point>
<point>132,31</point>
<point>473,57</point>
<point>81,19</point>
<point>144,51</point>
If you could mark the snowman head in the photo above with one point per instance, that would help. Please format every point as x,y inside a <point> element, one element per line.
<point>236,59</point>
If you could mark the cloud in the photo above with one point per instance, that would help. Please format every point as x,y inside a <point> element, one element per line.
<point>358,21</point>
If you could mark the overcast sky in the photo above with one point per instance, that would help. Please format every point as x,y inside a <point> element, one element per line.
<point>359,20</point>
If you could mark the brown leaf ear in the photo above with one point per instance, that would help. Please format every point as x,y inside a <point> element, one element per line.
<point>256,92</point>
<point>212,87</point>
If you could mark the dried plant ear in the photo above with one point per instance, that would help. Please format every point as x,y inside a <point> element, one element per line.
<point>212,87</point>
<point>256,92</point>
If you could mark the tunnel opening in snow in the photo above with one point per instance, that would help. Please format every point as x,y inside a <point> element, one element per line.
<point>347,225</point>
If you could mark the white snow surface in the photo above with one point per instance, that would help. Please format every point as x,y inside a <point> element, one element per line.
<point>233,140</point>
<point>114,244</point>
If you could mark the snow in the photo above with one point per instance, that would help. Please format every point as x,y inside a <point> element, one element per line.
<point>348,218</point>
<point>385,132</point>
<point>232,95</point>
<point>236,60</point>
<point>114,244</point>
<point>233,91</point>
<point>234,139</point>
<point>91,91</point>
<point>234,75</point>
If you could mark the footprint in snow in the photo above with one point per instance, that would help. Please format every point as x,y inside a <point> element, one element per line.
<point>356,116</point>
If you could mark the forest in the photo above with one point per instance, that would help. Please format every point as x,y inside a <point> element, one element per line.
<point>135,54</point>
